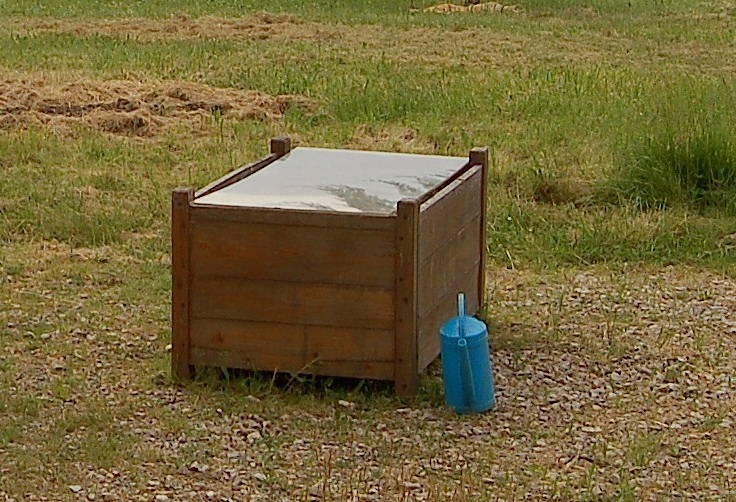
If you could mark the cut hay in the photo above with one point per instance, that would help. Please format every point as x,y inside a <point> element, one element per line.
<point>133,107</point>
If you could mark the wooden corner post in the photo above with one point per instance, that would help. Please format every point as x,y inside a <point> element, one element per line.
<point>406,371</point>
<point>479,156</point>
<point>180,203</point>
<point>281,145</point>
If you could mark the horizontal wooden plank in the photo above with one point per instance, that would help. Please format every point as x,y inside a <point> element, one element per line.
<point>203,214</point>
<point>441,270</point>
<point>454,208</point>
<point>299,344</point>
<point>293,253</point>
<point>379,370</point>
<point>292,302</point>
<point>447,182</point>
<point>428,332</point>
<point>236,175</point>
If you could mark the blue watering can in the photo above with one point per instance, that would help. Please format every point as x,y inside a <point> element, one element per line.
<point>466,363</point>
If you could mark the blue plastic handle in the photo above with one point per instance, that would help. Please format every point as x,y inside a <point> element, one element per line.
<point>467,373</point>
<point>461,315</point>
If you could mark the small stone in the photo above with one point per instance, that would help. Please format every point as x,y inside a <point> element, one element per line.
<point>161,498</point>
<point>260,476</point>
<point>197,467</point>
<point>591,429</point>
<point>75,488</point>
<point>346,404</point>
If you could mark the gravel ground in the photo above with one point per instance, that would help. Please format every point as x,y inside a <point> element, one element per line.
<point>611,384</point>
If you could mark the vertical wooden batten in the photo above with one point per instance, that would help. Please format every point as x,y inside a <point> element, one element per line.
<point>180,284</point>
<point>479,156</point>
<point>406,372</point>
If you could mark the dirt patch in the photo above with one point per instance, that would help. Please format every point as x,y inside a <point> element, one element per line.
<point>480,7</point>
<point>389,138</point>
<point>133,107</point>
<point>262,26</point>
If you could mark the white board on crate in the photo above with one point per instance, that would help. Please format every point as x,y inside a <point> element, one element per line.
<point>338,180</point>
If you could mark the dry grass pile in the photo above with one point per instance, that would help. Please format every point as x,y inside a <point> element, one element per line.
<point>480,7</point>
<point>389,139</point>
<point>132,107</point>
<point>261,26</point>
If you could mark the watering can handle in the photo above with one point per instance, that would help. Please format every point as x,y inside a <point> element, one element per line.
<point>461,315</point>
<point>467,373</point>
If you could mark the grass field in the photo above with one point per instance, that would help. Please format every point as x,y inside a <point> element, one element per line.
<point>611,242</point>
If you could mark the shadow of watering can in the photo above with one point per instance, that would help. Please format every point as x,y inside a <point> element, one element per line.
<point>466,363</point>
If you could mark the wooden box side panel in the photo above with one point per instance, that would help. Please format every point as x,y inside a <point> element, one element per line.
<point>292,295</point>
<point>450,258</point>
<point>357,353</point>
<point>255,249</point>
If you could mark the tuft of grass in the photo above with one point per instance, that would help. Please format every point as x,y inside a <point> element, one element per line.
<point>690,167</point>
<point>685,155</point>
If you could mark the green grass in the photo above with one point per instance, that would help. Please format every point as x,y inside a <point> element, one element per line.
<point>684,152</point>
<point>556,133</point>
<point>373,11</point>
<point>612,143</point>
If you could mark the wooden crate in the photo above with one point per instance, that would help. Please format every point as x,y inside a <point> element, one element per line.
<point>355,292</point>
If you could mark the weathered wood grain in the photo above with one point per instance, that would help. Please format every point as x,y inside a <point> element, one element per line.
<point>379,370</point>
<point>295,302</point>
<point>270,341</point>
<point>293,253</point>
<point>450,210</point>
<point>407,225</point>
<point>439,272</point>
<point>203,214</point>
<point>430,322</point>
<point>180,283</point>
<point>481,156</point>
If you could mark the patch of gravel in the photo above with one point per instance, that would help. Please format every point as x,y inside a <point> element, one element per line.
<point>611,383</point>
